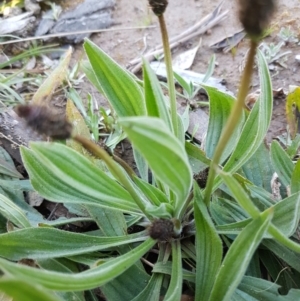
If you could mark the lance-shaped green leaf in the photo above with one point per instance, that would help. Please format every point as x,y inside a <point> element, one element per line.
<point>295,180</point>
<point>120,87</point>
<point>220,106</point>
<point>63,265</point>
<point>238,257</point>
<point>47,243</point>
<point>259,169</point>
<point>161,207</point>
<point>286,216</point>
<point>154,96</point>
<point>256,125</point>
<point>90,74</point>
<point>175,287</point>
<point>80,281</point>
<point>278,271</point>
<point>13,213</point>
<point>283,164</point>
<point>154,195</point>
<point>21,290</point>
<point>112,223</point>
<point>126,286</point>
<point>109,222</point>
<point>185,84</point>
<point>166,156</point>
<point>61,174</point>
<point>16,185</point>
<point>292,258</point>
<point>208,248</point>
<point>141,165</point>
<point>210,69</point>
<point>152,290</point>
<point>261,289</point>
<point>239,194</point>
<point>7,166</point>
<point>286,212</point>
<point>197,157</point>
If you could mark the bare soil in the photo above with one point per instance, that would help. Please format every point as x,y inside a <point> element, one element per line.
<point>124,45</point>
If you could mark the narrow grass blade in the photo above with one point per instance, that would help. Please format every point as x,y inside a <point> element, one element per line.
<point>152,290</point>
<point>295,179</point>
<point>154,97</point>
<point>238,257</point>
<point>175,287</point>
<point>210,68</point>
<point>208,248</point>
<point>88,279</point>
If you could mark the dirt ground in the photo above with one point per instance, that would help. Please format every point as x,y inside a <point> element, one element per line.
<point>124,45</point>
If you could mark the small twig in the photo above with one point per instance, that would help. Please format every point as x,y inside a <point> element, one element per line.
<point>32,71</point>
<point>203,22</point>
<point>52,212</point>
<point>63,34</point>
<point>152,54</point>
<point>9,138</point>
<point>150,264</point>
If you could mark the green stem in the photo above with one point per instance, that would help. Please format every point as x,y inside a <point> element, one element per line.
<point>127,168</point>
<point>285,241</point>
<point>115,169</point>
<point>232,122</point>
<point>170,76</point>
<point>183,208</point>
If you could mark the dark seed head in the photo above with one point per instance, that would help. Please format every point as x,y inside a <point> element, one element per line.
<point>255,15</point>
<point>45,121</point>
<point>201,178</point>
<point>161,229</point>
<point>158,6</point>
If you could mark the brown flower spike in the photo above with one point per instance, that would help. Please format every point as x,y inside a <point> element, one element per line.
<point>158,6</point>
<point>255,15</point>
<point>45,121</point>
<point>161,229</point>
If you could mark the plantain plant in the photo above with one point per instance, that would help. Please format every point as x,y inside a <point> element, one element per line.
<point>158,233</point>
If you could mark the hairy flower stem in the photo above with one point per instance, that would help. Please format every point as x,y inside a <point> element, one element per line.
<point>114,168</point>
<point>233,120</point>
<point>170,76</point>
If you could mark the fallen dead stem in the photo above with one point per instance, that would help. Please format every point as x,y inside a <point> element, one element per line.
<point>197,29</point>
<point>64,34</point>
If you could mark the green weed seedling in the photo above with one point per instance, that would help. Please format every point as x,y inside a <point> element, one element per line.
<point>287,35</point>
